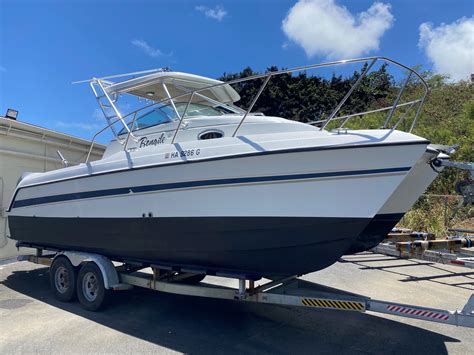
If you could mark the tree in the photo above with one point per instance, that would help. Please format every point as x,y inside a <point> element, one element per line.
<point>304,97</point>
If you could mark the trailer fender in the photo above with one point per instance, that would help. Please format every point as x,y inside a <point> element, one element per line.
<point>107,268</point>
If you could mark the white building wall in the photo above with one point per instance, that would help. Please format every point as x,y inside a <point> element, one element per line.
<point>28,148</point>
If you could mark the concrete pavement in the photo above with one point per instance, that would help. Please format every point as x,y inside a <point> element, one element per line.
<point>143,321</point>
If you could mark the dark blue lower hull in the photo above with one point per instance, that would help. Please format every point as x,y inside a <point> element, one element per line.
<point>375,232</point>
<point>262,246</point>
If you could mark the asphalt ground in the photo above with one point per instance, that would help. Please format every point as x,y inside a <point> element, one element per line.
<point>144,321</point>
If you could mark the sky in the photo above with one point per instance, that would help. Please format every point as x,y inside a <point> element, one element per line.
<point>46,45</point>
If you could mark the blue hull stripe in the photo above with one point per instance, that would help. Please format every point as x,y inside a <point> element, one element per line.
<point>188,184</point>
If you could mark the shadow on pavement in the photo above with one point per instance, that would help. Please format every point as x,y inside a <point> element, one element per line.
<point>199,325</point>
<point>362,260</point>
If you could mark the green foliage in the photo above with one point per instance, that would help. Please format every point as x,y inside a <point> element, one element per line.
<point>448,118</point>
<point>308,98</point>
<point>437,213</point>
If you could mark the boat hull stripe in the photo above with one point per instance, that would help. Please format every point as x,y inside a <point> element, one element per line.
<point>193,184</point>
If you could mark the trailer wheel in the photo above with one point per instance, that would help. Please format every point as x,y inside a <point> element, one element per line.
<point>62,278</point>
<point>91,291</point>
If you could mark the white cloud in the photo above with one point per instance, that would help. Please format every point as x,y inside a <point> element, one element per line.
<point>149,50</point>
<point>217,13</point>
<point>325,28</point>
<point>450,47</point>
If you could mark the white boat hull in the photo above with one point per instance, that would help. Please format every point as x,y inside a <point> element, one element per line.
<point>265,213</point>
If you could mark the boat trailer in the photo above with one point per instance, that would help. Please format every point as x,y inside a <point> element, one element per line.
<point>289,291</point>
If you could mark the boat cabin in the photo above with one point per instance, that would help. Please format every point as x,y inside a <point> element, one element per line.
<point>201,107</point>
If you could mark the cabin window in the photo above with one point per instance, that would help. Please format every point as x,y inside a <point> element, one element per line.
<point>195,110</point>
<point>153,118</point>
<point>224,110</point>
<point>210,135</point>
<point>166,113</point>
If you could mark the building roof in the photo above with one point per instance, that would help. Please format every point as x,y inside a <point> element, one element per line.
<point>29,131</point>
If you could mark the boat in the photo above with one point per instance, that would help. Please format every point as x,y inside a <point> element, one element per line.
<point>190,181</point>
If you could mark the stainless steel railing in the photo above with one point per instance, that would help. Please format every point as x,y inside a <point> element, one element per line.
<point>267,77</point>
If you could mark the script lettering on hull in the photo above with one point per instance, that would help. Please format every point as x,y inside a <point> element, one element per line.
<point>145,142</point>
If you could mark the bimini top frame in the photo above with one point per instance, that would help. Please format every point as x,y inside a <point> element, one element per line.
<point>107,94</point>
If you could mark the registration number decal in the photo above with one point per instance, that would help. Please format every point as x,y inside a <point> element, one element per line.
<point>183,153</point>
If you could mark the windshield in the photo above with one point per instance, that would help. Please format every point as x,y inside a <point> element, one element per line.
<point>199,110</point>
<point>165,114</point>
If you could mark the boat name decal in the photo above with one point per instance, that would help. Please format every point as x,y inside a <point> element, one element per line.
<point>183,153</point>
<point>145,142</point>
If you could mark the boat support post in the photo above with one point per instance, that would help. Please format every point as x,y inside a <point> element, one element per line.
<point>242,287</point>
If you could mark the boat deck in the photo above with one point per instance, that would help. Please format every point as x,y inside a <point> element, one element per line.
<point>142,320</point>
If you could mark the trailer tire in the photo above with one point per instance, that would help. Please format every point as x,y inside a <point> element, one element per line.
<point>62,277</point>
<point>91,290</point>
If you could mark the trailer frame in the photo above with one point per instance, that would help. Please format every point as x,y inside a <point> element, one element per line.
<point>289,291</point>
